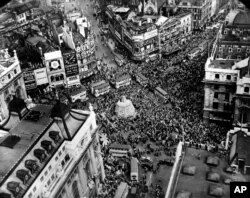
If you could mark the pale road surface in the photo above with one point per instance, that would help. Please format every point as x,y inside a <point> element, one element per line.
<point>88,11</point>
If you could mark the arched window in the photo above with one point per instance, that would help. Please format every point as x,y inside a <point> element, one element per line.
<point>61,77</point>
<point>75,190</point>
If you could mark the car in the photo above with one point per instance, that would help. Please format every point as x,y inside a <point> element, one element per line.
<point>147,165</point>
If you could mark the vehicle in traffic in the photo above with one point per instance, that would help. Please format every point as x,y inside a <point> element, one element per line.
<point>120,150</point>
<point>141,79</point>
<point>122,81</point>
<point>100,88</point>
<point>134,170</point>
<point>160,92</point>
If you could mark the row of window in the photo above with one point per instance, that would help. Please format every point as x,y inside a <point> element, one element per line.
<point>225,107</point>
<point>226,98</point>
<point>53,177</point>
<point>231,49</point>
<point>56,78</point>
<point>231,57</point>
<point>228,77</point>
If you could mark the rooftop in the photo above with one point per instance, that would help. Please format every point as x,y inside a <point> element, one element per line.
<point>52,55</point>
<point>35,39</point>
<point>198,184</point>
<point>39,125</point>
<point>192,2</point>
<point>29,131</point>
<point>238,17</point>
<point>222,64</point>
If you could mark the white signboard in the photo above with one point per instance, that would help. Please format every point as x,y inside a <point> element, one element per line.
<point>151,34</point>
<point>73,80</point>
<point>41,76</point>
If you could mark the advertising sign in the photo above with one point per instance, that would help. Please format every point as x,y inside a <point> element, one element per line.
<point>41,76</point>
<point>151,34</point>
<point>70,64</point>
<point>29,79</point>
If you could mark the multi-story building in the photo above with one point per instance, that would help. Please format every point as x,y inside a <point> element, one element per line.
<point>216,6</point>
<point>54,153</point>
<point>234,40</point>
<point>138,35</point>
<point>220,86</point>
<point>55,68</point>
<point>186,19</point>
<point>82,41</point>
<point>11,82</point>
<point>232,44</point>
<point>45,3</point>
<point>242,95</point>
<point>168,32</point>
<point>201,10</point>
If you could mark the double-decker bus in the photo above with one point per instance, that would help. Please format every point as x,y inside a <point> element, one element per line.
<point>195,52</point>
<point>160,92</point>
<point>142,80</point>
<point>122,81</point>
<point>120,150</point>
<point>134,170</point>
<point>122,190</point>
<point>78,94</point>
<point>100,88</point>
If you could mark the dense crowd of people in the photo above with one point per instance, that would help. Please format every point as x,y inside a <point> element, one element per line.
<point>162,122</point>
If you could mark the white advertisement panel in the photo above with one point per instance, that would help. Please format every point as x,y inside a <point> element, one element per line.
<point>41,76</point>
<point>73,80</point>
<point>151,34</point>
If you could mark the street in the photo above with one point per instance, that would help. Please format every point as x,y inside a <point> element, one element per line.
<point>102,49</point>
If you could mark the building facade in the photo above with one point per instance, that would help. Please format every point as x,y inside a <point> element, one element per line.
<point>55,68</point>
<point>62,160</point>
<point>201,10</point>
<point>138,35</point>
<point>220,86</point>
<point>11,82</point>
<point>224,68</point>
<point>234,42</point>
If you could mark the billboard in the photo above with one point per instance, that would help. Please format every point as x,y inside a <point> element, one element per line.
<point>41,76</point>
<point>29,79</point>
<point>70,64</point>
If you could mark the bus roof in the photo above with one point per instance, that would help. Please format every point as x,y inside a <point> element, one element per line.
<point>121,146</point>
<point>141,76</point>
<point>98,83</point>
<point>101,85</point>
<point>120,190</point>
<point>120,78</point>
<point>194,50</point>
<point>134,164</point>
<point>161,90</point>
<point>78,90</point>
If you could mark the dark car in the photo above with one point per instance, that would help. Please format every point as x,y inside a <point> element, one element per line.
<point>147,165</point>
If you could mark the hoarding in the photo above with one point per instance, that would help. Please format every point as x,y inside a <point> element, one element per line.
<point>41,76</point>
<point>29,79</point>
<point>70,64</point>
